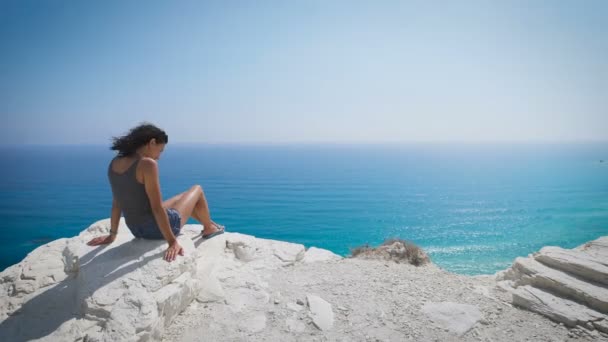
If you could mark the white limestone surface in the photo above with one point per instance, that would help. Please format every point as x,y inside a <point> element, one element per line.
<point>236,287</point>
<point>568,286</point>
<point>125,291</point>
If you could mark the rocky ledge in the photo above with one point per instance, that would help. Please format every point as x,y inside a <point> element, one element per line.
<point>568,286</point>
<point>237,287</point>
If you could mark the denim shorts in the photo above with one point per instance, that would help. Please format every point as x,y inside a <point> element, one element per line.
<point>150,230</point>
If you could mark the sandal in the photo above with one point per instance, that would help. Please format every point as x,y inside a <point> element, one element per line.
<point>216,233</point>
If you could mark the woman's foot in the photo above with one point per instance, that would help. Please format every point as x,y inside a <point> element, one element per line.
<point>214,230</point>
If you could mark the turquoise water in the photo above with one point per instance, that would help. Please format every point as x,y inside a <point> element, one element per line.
<point>474,208</point>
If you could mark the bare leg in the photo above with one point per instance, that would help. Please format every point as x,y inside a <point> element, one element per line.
<point>192,203</point>
<point>170,203</point>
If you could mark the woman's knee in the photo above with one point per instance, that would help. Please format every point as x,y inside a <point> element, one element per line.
<point>199,190</point>
<point>196,189</point>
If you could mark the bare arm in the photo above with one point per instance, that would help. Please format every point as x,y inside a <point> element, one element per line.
<point>152,184</point>
<point>115,217</point>
<point>114,220</point>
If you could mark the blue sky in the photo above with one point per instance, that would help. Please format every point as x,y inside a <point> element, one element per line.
<point>76,72</point>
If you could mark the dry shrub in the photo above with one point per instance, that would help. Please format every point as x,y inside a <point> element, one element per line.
<point>360,250</point>
<point>395,249</point>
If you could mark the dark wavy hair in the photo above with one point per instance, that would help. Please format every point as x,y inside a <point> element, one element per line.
<point>138,137</point>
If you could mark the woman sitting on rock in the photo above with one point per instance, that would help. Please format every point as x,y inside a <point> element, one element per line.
<point>133,176</point>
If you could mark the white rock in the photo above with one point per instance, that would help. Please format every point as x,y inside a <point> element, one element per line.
<point>455,317</point>
<point>320,312</point>
<point>559,309</point>
<point>175,297</point>
<point>67,291</point>
<point>597,248</point>
<point>124,291</point>
<point>573,261</point>
<point>210,291</point>
<point>244,253</point>
<point>133,290</point>
<point>601,326</point>
<point>287,252</point>
<point>269,254</point>
<point>566,285</point>
<point>295,325</point>
<point>294,307</point>
<point>528,271</point>
<point>253,324</point>
<point>314,254</point>
<point>243,298</point>
<point>43,267</point>
<point>482,290</point>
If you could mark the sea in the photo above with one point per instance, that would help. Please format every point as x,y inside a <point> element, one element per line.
<point>473,208</point>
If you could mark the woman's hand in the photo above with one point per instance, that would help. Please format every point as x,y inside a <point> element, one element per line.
<point>102,240</point>
<point>173,250</point>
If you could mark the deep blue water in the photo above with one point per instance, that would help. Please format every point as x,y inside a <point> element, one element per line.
<point>474,208</point>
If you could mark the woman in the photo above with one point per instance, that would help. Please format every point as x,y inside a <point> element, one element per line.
<point>133,176</point>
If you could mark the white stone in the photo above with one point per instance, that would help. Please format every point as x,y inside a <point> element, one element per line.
<point>67,291</point>
<point>210,291</point>
<point>568,286</point>
<point>288,252</point>
<point>559,309</point>
<point>601,326</point>
<point>314,254</point>
<point>597,248</point>
<point>294,307</point>
<point>482,290</point>
<point>263,253</point>
<point>294,325</point>
<point>253,323</point>
<point>244,253</point>
<point>320,312</point>
<point>244,298</point>
<point>455,317</point>
<point>243,250</point>
<point>123,291</point>
<point>528,271</point>
<point>576,262</point>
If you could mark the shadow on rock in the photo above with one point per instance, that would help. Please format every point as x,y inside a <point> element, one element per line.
<point>47,311</point>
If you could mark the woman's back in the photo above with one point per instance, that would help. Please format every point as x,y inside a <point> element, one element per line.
<point>130,193</point>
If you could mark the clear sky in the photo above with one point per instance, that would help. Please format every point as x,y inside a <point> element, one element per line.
<point>76,72</point>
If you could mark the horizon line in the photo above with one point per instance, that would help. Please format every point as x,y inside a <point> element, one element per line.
<point>345,143</point>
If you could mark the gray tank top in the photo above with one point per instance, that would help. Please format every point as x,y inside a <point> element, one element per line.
<point>130,195</point>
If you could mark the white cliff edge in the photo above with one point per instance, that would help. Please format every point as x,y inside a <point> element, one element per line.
<point>237,287</point>
<point>125,291</point>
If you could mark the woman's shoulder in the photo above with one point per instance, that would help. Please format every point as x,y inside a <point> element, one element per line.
<point>147,161</point>
<point>148,164</point>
